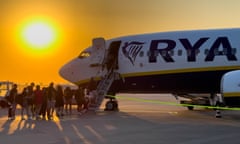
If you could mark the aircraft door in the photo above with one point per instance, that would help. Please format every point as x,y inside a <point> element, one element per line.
<point>111,59</point>
<point>98,52</point>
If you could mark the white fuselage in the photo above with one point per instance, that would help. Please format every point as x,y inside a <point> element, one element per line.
<point>184,61</point>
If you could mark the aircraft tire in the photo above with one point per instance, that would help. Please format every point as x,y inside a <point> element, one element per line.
<point>111,106</point>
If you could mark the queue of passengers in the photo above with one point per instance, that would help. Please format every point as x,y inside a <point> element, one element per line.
<point>40,103</point>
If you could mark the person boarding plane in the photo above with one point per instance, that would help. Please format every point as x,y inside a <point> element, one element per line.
<point>183,63</point>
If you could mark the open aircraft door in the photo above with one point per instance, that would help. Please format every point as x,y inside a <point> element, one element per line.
<point>98,52</point>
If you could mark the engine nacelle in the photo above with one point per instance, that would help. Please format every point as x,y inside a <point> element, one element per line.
<point>230,88</point>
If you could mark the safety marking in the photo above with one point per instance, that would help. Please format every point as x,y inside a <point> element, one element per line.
<point>172,103</point>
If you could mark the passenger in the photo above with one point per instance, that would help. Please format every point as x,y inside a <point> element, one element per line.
<point>68,95</point>
<point>92,86</point>
<point>38,100</point>
<point>51,101</point>
<point>59,101</point>
<point>24,104</point>
<point>12,99</point>
<point>86,104</point>
<point>109,62</point>
<point>44,103</point>
<point>79,96</point>
<point>86,92</point>
<point>30,98</point>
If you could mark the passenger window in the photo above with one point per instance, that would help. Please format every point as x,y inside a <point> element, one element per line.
<point>206,51</point>
<point>164,53</point>
<point>179,52</point>
<point>141,54</point>
<point>84,54</point>
<point>171,53</point>
<point>197,51</point>
<point>156,53</point>
<point>225,51</point>
<point>234,51</point>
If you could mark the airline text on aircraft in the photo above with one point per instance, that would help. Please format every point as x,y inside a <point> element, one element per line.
<point>165,46</point>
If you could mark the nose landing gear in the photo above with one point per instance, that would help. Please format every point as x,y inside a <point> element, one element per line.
<point>111,105</point>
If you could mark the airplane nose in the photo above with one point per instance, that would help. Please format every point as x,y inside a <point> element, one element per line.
<point>63,72</point>
<point>78,71</point>
<point>70,70</point>
<point>67,71</point>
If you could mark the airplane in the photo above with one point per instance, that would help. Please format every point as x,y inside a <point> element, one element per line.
<point>187,64</point>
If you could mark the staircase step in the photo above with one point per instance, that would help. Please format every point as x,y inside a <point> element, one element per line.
<point>102,89</point>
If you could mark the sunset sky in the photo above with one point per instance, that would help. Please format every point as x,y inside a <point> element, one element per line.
<point>74,23</point>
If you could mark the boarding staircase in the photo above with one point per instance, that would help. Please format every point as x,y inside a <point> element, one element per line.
<point>103,88</point>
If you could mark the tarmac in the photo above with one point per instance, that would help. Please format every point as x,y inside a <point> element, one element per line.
<point>135,123</point>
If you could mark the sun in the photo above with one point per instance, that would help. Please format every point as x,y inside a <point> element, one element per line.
<point>38,35</point>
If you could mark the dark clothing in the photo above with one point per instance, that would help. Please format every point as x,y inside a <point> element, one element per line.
<point>51,93</point>
<point>38,97</point>
<point>12,98</point>
<point>43,110</point>
<point>13,95</point>
<point>44,104</point>
<point>23,99</point>
<point>79,96</point>
<point>68,94</point>
<point>86,103</point>
<point>59,99</point>
<point>10,112</point>
<point>30,96</point>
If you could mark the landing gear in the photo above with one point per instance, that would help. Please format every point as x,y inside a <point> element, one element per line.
<point>217,101</point>
<point>218,114</point>
<point>111,105</point>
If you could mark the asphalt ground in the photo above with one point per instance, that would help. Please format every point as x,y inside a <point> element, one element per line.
<point>137,122</point>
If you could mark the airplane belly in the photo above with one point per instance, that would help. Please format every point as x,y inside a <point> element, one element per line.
<point>189,82</point>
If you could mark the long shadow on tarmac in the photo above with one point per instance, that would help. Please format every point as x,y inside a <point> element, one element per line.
<point>122,127</point>
<point>101,127</point>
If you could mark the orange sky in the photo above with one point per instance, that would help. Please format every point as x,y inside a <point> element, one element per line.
<point>78,21</point>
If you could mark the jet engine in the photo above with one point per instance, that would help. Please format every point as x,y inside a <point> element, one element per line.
<point>230,88</point>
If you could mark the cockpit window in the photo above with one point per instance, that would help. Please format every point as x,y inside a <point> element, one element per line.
<point>84,54</point>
